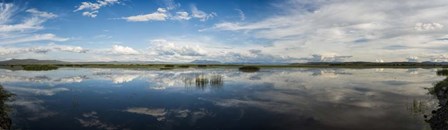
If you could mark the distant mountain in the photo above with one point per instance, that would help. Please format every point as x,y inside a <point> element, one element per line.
<point>31,61</point>
<point>205,62</point>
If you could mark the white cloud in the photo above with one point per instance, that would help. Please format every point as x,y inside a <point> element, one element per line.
<point>92,9</point>
<point>92,14</point>
<point>75,49</point>
<point>159,15</point>
<point>42,14</point>
<point>412,59</point>
<point>163,14</point>
<point>427,26</point>
<point>25,31</point>
<point>182,16</point>
<point>170,4</point>
<point>33,38</point>
<point>163,47</point>
<point>32,23</point>
<point>7,10</point>
<point>123,50</point>
<point>201,15</point>
<point>328,58</point>
<point>241,13</point>
<point>439,58</point>
<point>41,49</point>
<point>342,27</point>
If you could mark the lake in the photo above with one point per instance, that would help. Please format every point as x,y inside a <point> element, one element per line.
<point>276,98</point>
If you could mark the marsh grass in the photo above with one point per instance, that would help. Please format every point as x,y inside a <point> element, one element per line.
<point>169,66</point>
<point>184,66</point>
<point>39,67</point>
<point>5,120</point>
<point>443,72</point>
<point>249,69</point>
<point>166,68</point>
<point>203,81</point>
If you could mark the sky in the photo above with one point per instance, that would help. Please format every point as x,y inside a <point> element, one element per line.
<point>230,31</point>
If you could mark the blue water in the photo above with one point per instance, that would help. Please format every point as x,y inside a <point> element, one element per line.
<point>311,99</point>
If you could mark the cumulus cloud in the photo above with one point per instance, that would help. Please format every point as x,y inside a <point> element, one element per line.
<point>253,56</point>
<point>75,49</point>
<point>182,16</point>
<point>412,59</point>
<point>123,50</point>
<point>159,15</point>
<point>427,26</point>
<point>163,14</point>
<point>164,47</point>
<point>91,9</point>
<point>439,58</point>
<point>323,58</point>
<point>201,15</point>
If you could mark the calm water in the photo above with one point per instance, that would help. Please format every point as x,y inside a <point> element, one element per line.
<point>309,99</point>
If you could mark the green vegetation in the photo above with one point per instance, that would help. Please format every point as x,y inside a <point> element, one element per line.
<point>166,68</point>
<point>242,67</point>
<point>249,69</point>
<point>39,67</point>
<point>443,72</point>
<point>440,116</point>
<point>5,120</point>
<point>184,66</point>
<point>203,81</point>
<point>202,66</point>
<point>169,66</point>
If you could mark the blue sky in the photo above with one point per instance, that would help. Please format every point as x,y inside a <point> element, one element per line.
<point>264,31</point>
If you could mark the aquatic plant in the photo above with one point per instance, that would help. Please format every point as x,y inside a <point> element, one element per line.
<point>5,120</point>
<point>443,72</point>
<point>169,66</point>
<point>39,67</point>
<point>440,116</point>
<point>184,66</point>
<point>166,68</point>
<point>249,69</point>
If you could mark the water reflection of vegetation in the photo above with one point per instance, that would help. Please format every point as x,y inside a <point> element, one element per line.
<point>439,118</point>
<point>202,81</point>
<point>5,121</point>
<point>418,107</point>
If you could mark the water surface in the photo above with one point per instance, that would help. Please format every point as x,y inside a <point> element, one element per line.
<point>311,99</point>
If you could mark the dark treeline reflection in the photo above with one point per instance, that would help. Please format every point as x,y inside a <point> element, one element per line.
<point>5,120</point>
<point>439,118</point>
<point>202,81</point>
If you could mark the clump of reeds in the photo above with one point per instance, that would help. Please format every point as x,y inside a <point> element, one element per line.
<point>249,69</point>
<point>39,67</point>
